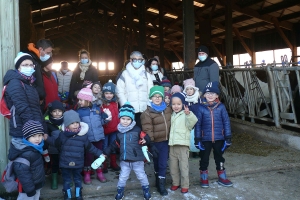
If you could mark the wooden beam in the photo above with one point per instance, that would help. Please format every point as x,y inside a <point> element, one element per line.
<point>281,33</point>
<point>238,35</point>
<point>219,55</point>
<point>278,6</point>
<point>46,4</point>
<point>176,54</point>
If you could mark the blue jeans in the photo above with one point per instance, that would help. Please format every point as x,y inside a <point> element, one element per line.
<point>109,139</point>
<point>67,177</point>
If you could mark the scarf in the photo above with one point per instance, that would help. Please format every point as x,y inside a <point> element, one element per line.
<point>84,68</point>
<point>211,105</point>
<point>136,74</point>
<point>56,121</point>
<point>31,78</point>
<point>38,147</point>
<point>124,129</point>
<point>193,98</point>
<point>159,108</point>
<point>97,99</point>
<point>70,133</point>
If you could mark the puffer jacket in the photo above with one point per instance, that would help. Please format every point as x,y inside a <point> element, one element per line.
<point>156,124</point>
<point>128,142</point>
<point>95,120</point>
<point>54,132</point>
<point>51,88</point>
<point>213,122</point>
<point>23,95</point>
<point>181,126</point>
<point>126,89</point>
<point>72,149</point>
<point>111,126</point>
<point>31,177</point>
<point>64,81</point>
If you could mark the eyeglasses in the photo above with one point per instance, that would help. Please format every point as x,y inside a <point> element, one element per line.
<point>210,93</point>
<point>32,66</point>
<point>157,97</point>
<point>137,60</point>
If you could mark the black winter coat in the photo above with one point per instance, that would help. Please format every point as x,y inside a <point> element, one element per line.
<point>20,93</point>
<point>31,177</point>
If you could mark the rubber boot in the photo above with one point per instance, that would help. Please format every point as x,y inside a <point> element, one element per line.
<point>104,167</point>
<point>87,175</point>
<point>67,194</point>
<point>204,179</point>
<point>162,187</point>
<point>223,179</point>
<point>157,181</point>
<point>54,181</point>
<point>120,193</point>
<point>78,193</point>
<point>113,162</point>
<point>100,176</point>
<point>146,191</point>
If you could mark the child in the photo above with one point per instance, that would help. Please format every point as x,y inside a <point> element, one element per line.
<point>92,115</point>
<point>192,94</point>
<point>156,121</point>
<point>96,89</point>
<point>175,89</point>
<point>131,154</point>
<point>32,178</point>
<point>64,76</point>
<point>216,137</point>
<point>166,84</point>
<point>167,98</point>
<point>54,119</point>
<point>110,129</point>
<point>72,143</point>
<point>182,122</point>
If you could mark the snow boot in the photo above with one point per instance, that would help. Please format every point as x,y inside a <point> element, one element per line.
<point>157,181</point>
<point>204,179</point>
<point>100,176</point>
<point>113,162</point>
<point>87,175</point>
<point>223,179</point>
<point>120,193</point>
<point>67,194</point>
<point>146,191</point>
<point>54,181</point>
<point>162,186</point>
<point>78,193</point>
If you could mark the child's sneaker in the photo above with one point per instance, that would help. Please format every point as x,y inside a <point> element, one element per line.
<point>120,193</point>
<point>146,191</point>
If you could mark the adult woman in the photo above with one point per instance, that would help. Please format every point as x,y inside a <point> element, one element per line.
<point>155,71</point>
<point>21,96</point>
<point>84,74</point>
<point>134,85</point>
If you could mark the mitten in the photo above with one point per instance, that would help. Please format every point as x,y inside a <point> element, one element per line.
<point>154,151</point>
<point>145,152</point>
<point>107,111</point>
<point>46,155</point>
<point>227,144</point>
<point>198,144</point>
<point>98,162</point>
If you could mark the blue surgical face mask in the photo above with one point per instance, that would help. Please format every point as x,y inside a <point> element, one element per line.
<point>137,64</point>
<point>202,58</point>
<point>45,57</point>
<point>84,61</point>
<point>154,67</point>
<point>27,71</point>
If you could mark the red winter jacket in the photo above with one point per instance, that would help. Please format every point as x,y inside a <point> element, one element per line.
<point>111,126</point>
<point>51,88</point>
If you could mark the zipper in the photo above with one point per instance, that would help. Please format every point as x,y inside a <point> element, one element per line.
<point>212,125</point>
<point>124,149</point>
<point>162,113</point>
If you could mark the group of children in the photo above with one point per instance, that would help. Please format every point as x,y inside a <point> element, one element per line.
<point>99,128</point>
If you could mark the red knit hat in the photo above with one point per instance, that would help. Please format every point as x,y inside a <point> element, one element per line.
<point>85,94</point>
<point>165,82</point>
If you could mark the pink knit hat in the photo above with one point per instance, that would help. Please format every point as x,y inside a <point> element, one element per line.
<point>175,88</point>
<point>85,94</point>
<point>189,83</point>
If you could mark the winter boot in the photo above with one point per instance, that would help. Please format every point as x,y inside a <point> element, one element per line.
<point>157,181</point>
<point>146,191</point>
<point>113,162</point>
<point>100,176</point>
<point>120,193</point>
<point>67,194</point>
<point>78,193</point>
<point>87,175</point>
<point>204,179</point>
<point>54,181</point>
<point>223,179</point>
<point>104,167</point>
<point>162,186</point>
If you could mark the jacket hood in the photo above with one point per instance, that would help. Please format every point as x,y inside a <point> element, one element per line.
<point>12,74</point>
<point>83,131</point>
<point>17,147</point>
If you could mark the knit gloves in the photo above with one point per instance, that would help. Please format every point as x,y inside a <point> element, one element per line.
<point>107,111</point>
<point>198,144</point>
<point>98,162</point>
<point>227,144</point>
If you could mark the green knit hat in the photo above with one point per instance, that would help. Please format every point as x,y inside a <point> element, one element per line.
<point>157,90</point>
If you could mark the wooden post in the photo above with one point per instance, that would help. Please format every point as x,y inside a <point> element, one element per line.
<point>161,35</point>
<point>142,26</point>
<point>228,32</point>
<point>10,46</point>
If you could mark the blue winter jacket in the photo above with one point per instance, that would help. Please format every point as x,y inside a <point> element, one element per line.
<point>95,119</point>
<point>213,122</point>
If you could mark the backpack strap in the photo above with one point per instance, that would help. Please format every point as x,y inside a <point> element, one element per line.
<point>22,160</point>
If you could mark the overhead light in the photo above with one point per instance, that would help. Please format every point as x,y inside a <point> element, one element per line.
<point>196,3</point>
<point>134,5</point>
<point>136,20</point>
<point>153,36</point>
<point>153,10</point>
<point>171,16</point>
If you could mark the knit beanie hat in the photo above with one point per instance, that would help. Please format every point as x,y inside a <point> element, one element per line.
<point>56,105</point>
<point>156,90</point>
<point>204,49</point>
<point>167,94</point>
<point>85,94</point>
<point>212,87</point>
<point>70,117</point>
<point>165,82</point>
<point>181,96</point>
<point>175,88</point>
<point>96,83</point>
<point>127,110</point>
<point>189,83</point>
<point>31,128</point>
<point>47,62</point>
<point>20,58</point>
<point>109,87</point>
